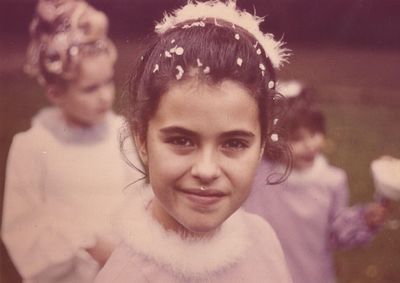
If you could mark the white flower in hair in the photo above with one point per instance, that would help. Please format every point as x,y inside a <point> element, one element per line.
<point>227,12</point>
<point>290,88</point>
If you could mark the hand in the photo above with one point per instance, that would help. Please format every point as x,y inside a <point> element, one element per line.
<point>101,251</point>
<point>376,213</point>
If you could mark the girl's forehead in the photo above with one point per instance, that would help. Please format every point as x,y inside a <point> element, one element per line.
<point>195,91</point>
<point>199,105</point>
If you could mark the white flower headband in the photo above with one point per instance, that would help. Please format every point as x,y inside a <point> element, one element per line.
<point>227,12</point>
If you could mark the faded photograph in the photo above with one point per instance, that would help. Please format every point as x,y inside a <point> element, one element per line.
<point>200,141</point>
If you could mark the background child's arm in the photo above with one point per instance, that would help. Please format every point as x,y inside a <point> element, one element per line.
<point>348,226</point>
<point>36,238</point>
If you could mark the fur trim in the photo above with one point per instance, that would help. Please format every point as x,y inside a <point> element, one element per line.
<point>228,12</point>
<point>190,258</point>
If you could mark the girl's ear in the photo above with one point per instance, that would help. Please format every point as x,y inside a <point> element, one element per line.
<point>141,148</point>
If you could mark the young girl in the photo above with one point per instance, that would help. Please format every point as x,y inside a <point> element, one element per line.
<point>200,110</point>
<point>65,175</point>
<point>309,211</point>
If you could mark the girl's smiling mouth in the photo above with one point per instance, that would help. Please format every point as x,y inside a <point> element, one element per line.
<point>203,197</point>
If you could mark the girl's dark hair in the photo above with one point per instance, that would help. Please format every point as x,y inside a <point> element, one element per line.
<point>211,53</point>
<point>303,112</point>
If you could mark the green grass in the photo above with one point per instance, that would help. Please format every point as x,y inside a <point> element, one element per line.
<point>359,134</point>
<point>359,91</point>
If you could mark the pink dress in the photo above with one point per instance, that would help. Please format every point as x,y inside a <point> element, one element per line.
<point>310,214</point>
<point>245,249</point>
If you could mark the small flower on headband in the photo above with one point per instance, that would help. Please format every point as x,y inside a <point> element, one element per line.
<point>167,54</point>
<point>180,72</point>
<point>206,70</point>
<point>262,68</point>
<point>177,50</point>
<point>274,137</point>
<point>199,64</point>
<point>156,68</point>
<point>239,61</point>
<point>271,84</point>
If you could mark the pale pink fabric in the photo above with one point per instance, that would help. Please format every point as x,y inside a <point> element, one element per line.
<point>62,185</point>
<point>310,214</point>
<point>260,258</point>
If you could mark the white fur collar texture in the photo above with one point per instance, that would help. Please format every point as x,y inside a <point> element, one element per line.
<point>227,12</point>
<point>189,258</point>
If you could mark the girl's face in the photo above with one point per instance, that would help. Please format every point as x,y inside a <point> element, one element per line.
<point>202,148</point>
<point>87,99</point>
<point>305,145</point>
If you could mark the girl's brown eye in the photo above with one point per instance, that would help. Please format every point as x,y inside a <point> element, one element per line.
<point>180,141</point>
<point>235,144</point>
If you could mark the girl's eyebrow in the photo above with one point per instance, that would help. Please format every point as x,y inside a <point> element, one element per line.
<point>177,130</point>
<point>241,133</point>
<point>183,131</point>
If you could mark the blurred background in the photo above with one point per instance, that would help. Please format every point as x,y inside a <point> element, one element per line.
<point>348,50</point>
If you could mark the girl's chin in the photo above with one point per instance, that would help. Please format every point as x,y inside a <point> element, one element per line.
<point>197,229</point>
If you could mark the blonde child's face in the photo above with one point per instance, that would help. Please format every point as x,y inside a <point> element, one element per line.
<point>87,99</point>
<point>305,145</point>
<point>201,136</point>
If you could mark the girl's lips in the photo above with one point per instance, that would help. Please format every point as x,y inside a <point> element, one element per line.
<point>204,198</point>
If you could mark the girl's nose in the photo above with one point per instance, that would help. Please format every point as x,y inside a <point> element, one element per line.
<point>206,167</point>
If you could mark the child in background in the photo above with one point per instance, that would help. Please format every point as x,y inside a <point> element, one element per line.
<point>200,109</point>
<point>65,174</point>
<point>309,211</point>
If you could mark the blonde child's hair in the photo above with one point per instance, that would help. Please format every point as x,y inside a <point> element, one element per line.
<point>63,32</point>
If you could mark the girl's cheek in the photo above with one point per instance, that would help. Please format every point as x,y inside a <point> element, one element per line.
<point>174,164</point>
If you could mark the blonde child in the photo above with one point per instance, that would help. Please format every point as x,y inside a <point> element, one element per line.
<point>309,211</point>
<point>65,174</point>
<point>200,110</point>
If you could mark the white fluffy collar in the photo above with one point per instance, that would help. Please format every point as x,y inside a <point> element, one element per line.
<point>319,172</point>
<point>190,258</point>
